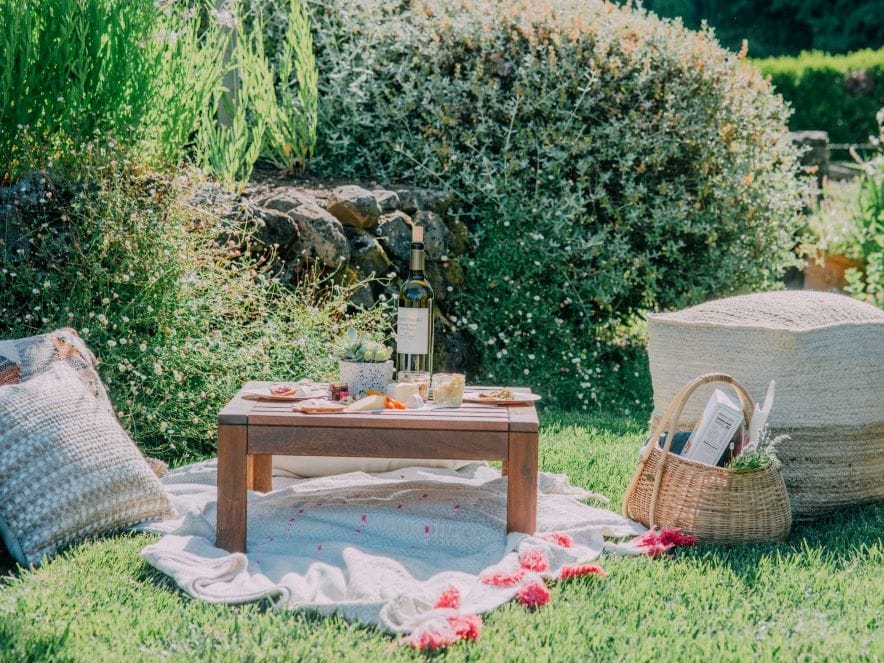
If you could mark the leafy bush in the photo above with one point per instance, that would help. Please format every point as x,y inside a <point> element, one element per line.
<point>617,163</point>
<point>835,93</point>
<point>177,322</point>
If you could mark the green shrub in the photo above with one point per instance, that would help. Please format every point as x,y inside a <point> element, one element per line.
<point>835,93</point>
<point>177,322</point>
<point>616,163</point>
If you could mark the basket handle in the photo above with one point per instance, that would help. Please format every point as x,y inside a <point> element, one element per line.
<point>671,418</point>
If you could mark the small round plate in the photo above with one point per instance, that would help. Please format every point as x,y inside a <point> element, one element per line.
<point>517,399</point>
<point>265,394</point>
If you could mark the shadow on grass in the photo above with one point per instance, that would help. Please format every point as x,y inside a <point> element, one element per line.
<point>835,540</point>
<point>7,565</point>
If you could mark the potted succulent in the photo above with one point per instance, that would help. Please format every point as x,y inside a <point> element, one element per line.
<point>364,363</point>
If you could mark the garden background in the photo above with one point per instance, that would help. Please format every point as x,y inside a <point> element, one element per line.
<point>588,163</point>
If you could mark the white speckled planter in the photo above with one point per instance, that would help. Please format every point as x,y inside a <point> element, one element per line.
<point>362,376</point>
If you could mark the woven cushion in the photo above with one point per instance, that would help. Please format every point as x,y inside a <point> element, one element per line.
<point>67,469</point>
<point>826,353</point>
<point>24,358</point>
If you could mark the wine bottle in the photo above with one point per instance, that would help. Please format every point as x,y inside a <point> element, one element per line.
<point>414,325</point>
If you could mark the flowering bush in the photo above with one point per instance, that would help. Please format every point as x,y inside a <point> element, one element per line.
<point>178,321</point>
<point>616,163</point>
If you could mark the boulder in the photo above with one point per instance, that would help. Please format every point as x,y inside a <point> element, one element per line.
<point>38,188</point>
<point>288,199</point>
<point>445,278</point>
<point>394,233</point>
<point>362,297</point>
<point>414,200</point>
<point>13,235</point>
<point>322,235</point>
<point>453,350</point>
<point>461,242</point>
<point>367,256</point>
<point>276,228</point>
<point>388,201</point>
<point>437,237</point>
<point>354,206</point>
<point>210,195</point>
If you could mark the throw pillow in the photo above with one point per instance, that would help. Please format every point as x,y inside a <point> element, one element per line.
<point>24,358</point>
<point>67,469</point>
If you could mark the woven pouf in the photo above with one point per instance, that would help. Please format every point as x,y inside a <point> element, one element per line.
<point>826,353</point>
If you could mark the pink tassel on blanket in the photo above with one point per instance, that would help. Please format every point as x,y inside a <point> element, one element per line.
<point>533,595</point>
<point>576,570</point>
<point>534,560</point>
<point>656,542</point>
<point>459,627</point>
<point>559,539</point>
<point>450,598</point>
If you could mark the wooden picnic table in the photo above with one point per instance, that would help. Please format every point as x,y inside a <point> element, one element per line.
<point>250,432</point>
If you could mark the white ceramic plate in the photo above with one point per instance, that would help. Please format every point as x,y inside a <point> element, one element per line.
<point>517,399</point>
<point>264,394</point>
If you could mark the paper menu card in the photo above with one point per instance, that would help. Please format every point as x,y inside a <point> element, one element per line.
<point>710,438</point>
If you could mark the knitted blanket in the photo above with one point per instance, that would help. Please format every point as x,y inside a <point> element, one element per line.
<point>416,551</point>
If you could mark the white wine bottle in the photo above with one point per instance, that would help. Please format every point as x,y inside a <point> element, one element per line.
<point>414,325</point>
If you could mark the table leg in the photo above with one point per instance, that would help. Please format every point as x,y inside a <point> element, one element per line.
<point>521,494</point>
<point>261,472</point>
<point>232,485</point>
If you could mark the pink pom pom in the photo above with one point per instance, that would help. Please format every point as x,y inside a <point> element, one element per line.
<point>559,539</point>
<point>466,626</point>
<point>504,579</point>
<point>576,570</point>
<point>430,640</point>
<point>657,542</point>
<point>534,560</point>
<point>674,537</point>
<point>533,595</point>
<point>450,598</point>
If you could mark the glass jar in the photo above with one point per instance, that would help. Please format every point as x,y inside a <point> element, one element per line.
<point>420,378</point>
<point>448,389</point>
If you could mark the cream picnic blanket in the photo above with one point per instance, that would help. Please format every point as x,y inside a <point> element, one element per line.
<point>380,548</point>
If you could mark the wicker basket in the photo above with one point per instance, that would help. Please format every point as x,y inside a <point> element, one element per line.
<point>713,503</point>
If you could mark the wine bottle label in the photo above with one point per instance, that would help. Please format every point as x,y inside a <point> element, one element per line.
<point>412,331</point>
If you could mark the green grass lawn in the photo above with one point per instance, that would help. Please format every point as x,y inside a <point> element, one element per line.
<point>817,596</point>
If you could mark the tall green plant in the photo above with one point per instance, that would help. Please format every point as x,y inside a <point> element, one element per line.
<point>189,49</point>
<point>292,136</point>
<point>77,67</point>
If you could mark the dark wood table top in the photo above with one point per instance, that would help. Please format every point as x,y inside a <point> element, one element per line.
<point>469,416</point>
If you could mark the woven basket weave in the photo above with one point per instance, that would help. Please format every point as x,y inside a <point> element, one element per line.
<point>826,353</point>
<point>714,503</point>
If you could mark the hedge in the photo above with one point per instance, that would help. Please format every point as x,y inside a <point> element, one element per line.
<point>835,93</point>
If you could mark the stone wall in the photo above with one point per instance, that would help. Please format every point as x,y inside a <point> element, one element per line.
<point>359,232</point>
<point>362,232</point>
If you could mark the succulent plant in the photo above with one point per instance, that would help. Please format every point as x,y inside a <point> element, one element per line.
<point>353,346</point>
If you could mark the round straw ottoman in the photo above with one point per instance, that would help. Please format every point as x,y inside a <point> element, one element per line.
<point>826,354</point>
